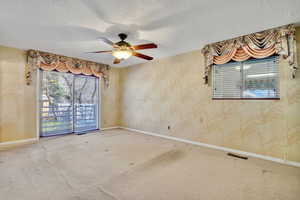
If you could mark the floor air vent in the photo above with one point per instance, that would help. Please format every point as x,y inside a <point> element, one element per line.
<point>237,156</point>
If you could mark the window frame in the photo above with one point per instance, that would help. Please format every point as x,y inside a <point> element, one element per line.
<point>276,57</point>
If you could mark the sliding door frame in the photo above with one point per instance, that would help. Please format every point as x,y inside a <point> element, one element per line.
<point>39,79</point>
<point>100,104</point>
<point>38,93</point>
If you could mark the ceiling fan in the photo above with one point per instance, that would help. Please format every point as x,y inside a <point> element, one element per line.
<point>123,50</point>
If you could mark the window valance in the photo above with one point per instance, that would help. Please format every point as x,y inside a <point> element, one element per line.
<point>263,44</point>
<point>49,62</point>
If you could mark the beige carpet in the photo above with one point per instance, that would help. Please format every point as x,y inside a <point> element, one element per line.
<point>124,165</point>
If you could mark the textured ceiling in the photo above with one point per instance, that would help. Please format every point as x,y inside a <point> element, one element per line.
<point>71,27</point>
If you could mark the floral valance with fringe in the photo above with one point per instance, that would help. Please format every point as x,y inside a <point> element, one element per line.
<point>49,62</point>
<point>280,41</point>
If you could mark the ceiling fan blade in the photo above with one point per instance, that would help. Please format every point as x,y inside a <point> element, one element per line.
<point>117,61</point>
<point>107,41</point>
<point>144,46</point>
<point>100,51</point>
<point>143,56</point>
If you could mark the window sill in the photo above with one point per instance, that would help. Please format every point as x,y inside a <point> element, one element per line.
<point>245,98</point>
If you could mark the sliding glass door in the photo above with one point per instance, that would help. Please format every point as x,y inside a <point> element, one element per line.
<point>68,103</point>
<point>56,103</point>
<point>86,100</point>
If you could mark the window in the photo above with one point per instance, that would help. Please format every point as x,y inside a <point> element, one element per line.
<point>68,103</point>
<point>252,79</point>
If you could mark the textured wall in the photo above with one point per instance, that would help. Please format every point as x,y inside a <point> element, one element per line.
<point>17,100</point>
<point>111,100</point>
<point>170,92</point>
<point>293,111</point>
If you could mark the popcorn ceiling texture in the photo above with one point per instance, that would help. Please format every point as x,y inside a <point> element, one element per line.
<point>170,92</point>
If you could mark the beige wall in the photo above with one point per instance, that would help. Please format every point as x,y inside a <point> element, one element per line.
<point>18,101</point>
<point>170,92</point>
<point>110,106</point>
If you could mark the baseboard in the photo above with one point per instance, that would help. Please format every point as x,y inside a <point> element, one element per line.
<point>109,128</point>
<point>225,149</point>
<point>4,145</point>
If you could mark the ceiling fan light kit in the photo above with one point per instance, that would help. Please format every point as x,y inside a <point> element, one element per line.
<point>122,53</point>
<point>123,50</point>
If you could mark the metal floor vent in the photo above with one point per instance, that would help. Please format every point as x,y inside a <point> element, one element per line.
<point>237,156</point>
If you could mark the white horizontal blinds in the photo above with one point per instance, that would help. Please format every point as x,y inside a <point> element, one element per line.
<point>260,78</point>
<point>227,80</point>
<point>257,78</point>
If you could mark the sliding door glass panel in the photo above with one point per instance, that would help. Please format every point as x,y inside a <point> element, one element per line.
<point>86,100</point>
<point>56,103</point>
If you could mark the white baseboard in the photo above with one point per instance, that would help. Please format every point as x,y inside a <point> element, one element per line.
<point>225,149</point>
<point>18,142</point>
<point>109,128</point>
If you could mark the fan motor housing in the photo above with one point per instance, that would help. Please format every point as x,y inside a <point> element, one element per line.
<point>123,44</point>
<point>123,36</point>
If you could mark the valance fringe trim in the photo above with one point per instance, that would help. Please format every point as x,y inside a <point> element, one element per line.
<point>49,62</point>
<point>263,44</point>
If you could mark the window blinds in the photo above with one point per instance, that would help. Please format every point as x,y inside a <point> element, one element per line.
<point>257,78</point>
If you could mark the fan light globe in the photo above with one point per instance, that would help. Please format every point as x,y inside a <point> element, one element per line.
<point>121,53</point>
